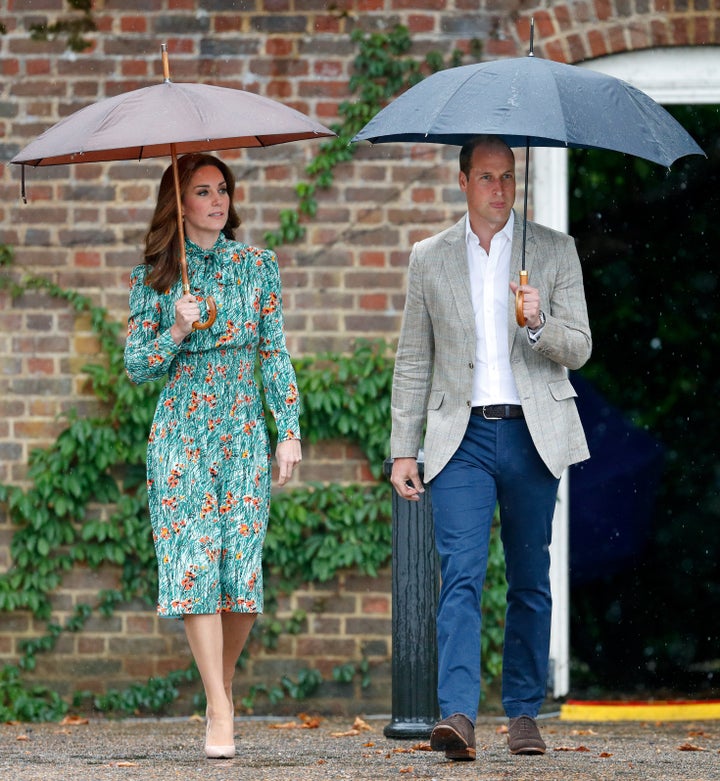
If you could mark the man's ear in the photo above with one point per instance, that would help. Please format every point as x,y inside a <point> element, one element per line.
<point>462,181</point>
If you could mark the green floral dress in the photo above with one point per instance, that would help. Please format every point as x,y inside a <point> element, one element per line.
<point>208,461</point>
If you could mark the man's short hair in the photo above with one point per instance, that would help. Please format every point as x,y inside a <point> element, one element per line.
<point>471,145</point>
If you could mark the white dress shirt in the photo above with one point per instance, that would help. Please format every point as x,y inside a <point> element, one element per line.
<point>493,382</point>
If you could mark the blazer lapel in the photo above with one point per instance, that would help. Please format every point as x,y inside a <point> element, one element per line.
<point>455,269</point>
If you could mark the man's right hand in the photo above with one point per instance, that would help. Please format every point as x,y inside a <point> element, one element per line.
<point>406,478</point>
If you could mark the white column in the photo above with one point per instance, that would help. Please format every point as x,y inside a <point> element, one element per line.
<point>548,177</point>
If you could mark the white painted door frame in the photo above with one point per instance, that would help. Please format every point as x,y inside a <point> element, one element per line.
<point>684,76</point>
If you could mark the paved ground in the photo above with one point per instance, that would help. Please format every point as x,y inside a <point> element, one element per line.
<point>171,750</point>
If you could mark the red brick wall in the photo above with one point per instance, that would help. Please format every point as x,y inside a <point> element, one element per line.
<point>84,226</point>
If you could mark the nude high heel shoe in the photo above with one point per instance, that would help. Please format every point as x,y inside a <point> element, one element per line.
<point>216,752</point>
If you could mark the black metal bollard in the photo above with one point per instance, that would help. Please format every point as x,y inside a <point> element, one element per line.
<point>415,580</point>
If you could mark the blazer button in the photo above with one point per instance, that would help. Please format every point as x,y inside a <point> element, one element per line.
<point>471,365</point>
<point>469,403</point>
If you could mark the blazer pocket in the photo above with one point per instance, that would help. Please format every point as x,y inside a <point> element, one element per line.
<point>436,399</point>
<point>562,390</point>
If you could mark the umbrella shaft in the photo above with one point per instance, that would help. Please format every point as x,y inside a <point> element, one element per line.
<point>181,227</point>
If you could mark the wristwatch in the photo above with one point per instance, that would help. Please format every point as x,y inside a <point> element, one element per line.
<point>542,323</point>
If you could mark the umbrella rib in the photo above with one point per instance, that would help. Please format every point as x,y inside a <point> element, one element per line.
<point>448,99</point>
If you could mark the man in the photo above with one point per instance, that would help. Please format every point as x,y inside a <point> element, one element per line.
<point>501,426</point>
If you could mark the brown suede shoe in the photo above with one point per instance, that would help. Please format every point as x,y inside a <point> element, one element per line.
<point>454,735</point>
<point>524,736</point>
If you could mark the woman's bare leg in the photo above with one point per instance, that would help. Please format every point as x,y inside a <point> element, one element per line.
<point>235,628</point>
<point>205,637</point>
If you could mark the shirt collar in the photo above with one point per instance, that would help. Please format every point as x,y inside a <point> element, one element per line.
<point>507,229</point>
<point>197,250</point>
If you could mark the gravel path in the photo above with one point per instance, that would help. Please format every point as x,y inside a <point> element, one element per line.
<point>171,749</point>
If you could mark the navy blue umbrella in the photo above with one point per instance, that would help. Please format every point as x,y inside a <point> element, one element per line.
<point>529,101</point>
<point>535,102</point>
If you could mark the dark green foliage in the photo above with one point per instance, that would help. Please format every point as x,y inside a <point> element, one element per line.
<point>73,29</point>
<point>647,238</point>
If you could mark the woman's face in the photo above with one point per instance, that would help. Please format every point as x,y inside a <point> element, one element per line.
<point>205,206</point>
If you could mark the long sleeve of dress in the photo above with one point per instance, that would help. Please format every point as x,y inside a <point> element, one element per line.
<point>149,348</point>
<point>278,374</point>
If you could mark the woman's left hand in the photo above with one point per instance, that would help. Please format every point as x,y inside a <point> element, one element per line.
<point>288,455</point>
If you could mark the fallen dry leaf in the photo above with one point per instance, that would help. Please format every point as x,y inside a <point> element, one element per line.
<point>369,744</point>
<point>583,732</point>
<point>22,737</point>
<point>347,734</point>
<point>306,722</point>
<point>407,769</point>
<point>572,748</point>
<point>422,747</point>
<point>361,724</point>
<point>502,730</point>
<point>73,721</point>
<point>604,755</point>
<point>690,747</point>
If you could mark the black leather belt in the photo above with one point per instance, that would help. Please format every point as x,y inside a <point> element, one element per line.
<point>498,411</point>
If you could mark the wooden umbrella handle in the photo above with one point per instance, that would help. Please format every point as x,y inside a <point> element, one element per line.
<point>519,298</point>
<point>212,314</point>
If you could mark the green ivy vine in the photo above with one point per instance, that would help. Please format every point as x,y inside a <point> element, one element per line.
<point>86,504</point>
<point>381,70</point>
<point>74,28</point>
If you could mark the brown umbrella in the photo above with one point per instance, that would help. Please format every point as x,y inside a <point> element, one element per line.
<point>169,120</point>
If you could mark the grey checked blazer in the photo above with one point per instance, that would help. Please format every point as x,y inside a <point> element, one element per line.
<point>432,384</point>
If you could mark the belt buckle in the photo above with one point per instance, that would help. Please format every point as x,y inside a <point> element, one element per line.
<point>485,416</point>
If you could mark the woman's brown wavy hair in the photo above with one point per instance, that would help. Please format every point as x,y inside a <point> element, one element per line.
<point>162,241</point>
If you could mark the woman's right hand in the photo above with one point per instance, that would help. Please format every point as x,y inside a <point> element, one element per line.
<point>187,312</point>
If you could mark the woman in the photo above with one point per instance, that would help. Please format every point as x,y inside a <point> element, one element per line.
<point>208,461</point>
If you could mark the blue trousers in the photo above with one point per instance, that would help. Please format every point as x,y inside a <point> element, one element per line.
<point>495,463</point>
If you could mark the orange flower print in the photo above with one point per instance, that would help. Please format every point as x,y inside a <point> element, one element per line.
<point>208,505</point>
<point>170,502</point>
<point>271,306</point>
<point>194,404</point>
<point>188,581</point>
<point>228,504</point>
